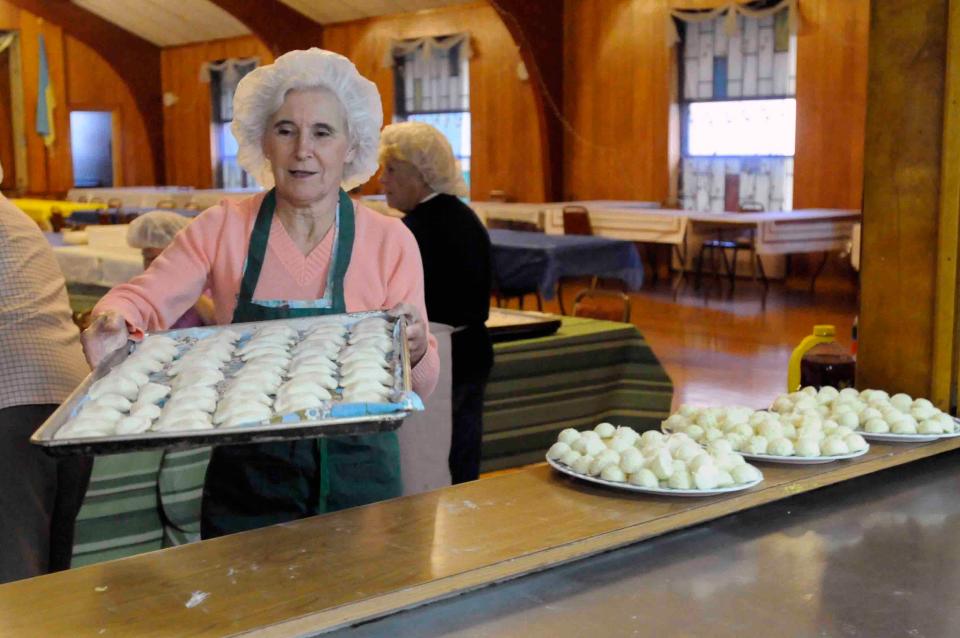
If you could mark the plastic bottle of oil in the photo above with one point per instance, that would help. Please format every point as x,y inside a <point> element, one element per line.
<point>819,361</point>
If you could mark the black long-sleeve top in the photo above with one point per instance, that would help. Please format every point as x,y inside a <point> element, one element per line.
<point>455,249</point>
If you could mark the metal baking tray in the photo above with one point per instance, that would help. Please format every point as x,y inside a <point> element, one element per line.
<point>333,418</point>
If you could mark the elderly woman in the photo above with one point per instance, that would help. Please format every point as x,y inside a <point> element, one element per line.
<point>152,232</point>
<point>308,125</point>
<point>422,179</point>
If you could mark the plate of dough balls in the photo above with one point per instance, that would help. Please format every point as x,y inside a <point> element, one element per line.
<point>652,462</point>
<point>772,437</point>
<point>874,414</point>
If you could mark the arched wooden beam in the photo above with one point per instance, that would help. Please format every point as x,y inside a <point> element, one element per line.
<point>135,60</point>
<point>278,26</point>
<point>537,27</point>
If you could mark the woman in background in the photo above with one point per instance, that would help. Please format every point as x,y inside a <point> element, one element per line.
<point>422,178</point>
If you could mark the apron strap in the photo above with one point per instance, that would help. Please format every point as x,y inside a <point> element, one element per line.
<point>258,246</point>
<point>344,251</point>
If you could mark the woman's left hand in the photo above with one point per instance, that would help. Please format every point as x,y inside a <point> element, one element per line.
<point>416,330</point>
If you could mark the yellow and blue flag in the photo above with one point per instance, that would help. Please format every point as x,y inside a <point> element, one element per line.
<point>45,99</point>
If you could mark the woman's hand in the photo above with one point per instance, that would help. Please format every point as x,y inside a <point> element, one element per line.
<point>107,333</point>
<point>416,330</point>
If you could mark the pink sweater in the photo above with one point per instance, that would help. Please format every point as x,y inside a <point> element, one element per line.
<point>385,270</point>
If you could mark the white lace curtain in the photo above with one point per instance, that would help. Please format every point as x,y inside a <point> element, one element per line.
<point>730,9</point>
<point>223,76</point>
<point>428,45</point>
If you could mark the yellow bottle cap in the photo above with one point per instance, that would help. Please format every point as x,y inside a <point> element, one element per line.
<point>824,331</point>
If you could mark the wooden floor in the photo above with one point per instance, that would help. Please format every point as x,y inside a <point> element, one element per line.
<point>730,350</point>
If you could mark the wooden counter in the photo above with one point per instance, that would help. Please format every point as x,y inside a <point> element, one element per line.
<point>321,573</point>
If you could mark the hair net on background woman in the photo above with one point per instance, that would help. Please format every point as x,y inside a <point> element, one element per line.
<point>155,229</point>
<point>263,90</point>
<point>430,153</point>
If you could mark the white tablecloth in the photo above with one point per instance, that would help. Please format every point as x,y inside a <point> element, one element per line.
<point>98,266</point>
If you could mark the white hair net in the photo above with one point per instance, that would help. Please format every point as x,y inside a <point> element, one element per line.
<point>155,229</point>
<point>261,92</point>
<point>429,151</point>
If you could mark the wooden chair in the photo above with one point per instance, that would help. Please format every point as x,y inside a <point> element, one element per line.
<point>729,247</point>
<point>611,305</point>
<point>576,221</point>
<point>504,295</point>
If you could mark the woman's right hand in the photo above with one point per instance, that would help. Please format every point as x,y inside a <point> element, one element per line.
<point>107,333</point>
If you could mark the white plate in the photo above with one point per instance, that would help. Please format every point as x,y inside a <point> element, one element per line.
<point>898,438</point>
<point>663,491</point>
<point>802,460</point>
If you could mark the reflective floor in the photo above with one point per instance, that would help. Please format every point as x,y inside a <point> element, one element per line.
<point>878,556</point>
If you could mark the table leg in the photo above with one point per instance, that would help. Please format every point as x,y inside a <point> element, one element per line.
<point>816,273</point>
<point>680,280</point>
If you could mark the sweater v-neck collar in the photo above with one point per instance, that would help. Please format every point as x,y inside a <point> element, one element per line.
<point>302,268</point>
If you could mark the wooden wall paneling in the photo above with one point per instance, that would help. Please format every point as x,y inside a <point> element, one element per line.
<point>186,122</point>
<point>507,149</point>
<point>905,99</point>
<point>134,59</point>
<point>93,85</point>
<point>7,158</point>
<point>537,26</point>
<point>831,103</point>
<point>617,100</point>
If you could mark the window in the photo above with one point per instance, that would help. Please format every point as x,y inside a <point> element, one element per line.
<point>224,76</point>
<point>738,110</point>
<point>432,85</point>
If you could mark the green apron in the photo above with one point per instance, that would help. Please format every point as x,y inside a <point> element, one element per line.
<point>254,485</point>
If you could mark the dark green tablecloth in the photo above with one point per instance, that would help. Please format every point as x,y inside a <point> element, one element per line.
<point>589,371</point>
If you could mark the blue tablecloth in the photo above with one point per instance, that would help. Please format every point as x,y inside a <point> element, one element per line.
<point>92,217</point>
<point>526,260</point>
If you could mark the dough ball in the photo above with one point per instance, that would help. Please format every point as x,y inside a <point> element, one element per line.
<point>651,436</point>
<point>628,434</point>
<point>687,451</point>
<point>929,426</point>
<point>619,444</point>
<point>855,442</point>
<point>706,477</point>
<point>644,478</point>
<point>735,440</point>
<point>923,412</point>
<point>582,465</point>
<point>680,481</point>
<point>806,403</point>
<point>570,458</point>
<point>946,422</point>
<point>728,461</point>
<point>712,435</point>
<point>783,405</point>
<point>724,479</point>
<point>867,414</point>
<point>661,465</point>
<point>674,441</point>
<point>557,451</point>
<point>923,403</point>
<point>589,435</point>
<point>631,460</point>
<point>876,426</point>
<point>605,430</point>
<point>807,446</point>
<point>771,430</point>
<point>568,436</point>
<point>757,445</point>
<point>828,394</point>
<point>593,447</point>
<point>699,461</point>
<point>689,411</point>
<point>830,426</point>
<point>905,425</point>
<point>833,446</point>
<point>695,432</point>
<point>613,473</point>
<point>675,423</point>
<point>720,446</point>
<point>780,447</point>
<point>789,431</point>
<point>902,402</point>
<point>810,391</point>
<point>745,474</point>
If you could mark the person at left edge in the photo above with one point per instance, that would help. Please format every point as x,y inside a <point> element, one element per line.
<point>41,365</point>
<point>309,126</point>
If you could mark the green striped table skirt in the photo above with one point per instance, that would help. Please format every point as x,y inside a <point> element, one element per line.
<point>590,371</point>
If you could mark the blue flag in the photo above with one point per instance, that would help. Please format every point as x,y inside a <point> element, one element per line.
<point>45,99</point>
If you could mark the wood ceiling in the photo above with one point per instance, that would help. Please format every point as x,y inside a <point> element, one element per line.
<point>173,22</point>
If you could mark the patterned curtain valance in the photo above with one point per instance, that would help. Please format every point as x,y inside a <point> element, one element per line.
<point>233,69</point>
<point>401,48</point>
<point>731,8</point>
